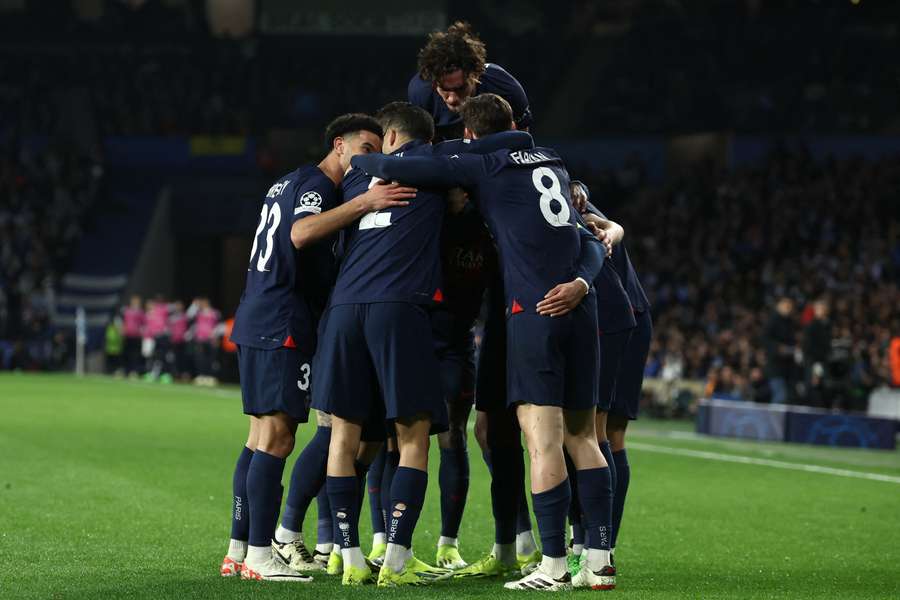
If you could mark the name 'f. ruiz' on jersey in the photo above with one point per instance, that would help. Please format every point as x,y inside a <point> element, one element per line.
<point>525,200</point>
<point>285,288</point>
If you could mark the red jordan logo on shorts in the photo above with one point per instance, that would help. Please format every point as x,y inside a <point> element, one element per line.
<point>438,295</point>
<point>289,342</point>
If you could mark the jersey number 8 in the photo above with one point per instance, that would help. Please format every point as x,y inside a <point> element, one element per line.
<point>554,192</point>
<point>265,215</point>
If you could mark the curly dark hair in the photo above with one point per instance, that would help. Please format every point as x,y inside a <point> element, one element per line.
<point>351,123</point>
<point>447,51</point>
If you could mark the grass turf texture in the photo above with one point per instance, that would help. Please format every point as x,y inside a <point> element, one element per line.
<point>122,489</point>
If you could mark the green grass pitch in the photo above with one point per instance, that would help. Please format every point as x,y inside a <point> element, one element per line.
<point>116,489</point>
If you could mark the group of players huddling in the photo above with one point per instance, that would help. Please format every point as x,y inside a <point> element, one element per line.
<point>366,276</point>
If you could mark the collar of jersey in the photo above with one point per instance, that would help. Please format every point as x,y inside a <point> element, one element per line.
<point>408,145</point>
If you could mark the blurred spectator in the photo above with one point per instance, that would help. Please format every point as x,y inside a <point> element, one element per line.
<point>156,341</point>
<point>178,329</point>
<point>114,347</point>
<point>133,320</point>
<point>780,342</point>
<point>895,360</point>
<point>816,353</point>
<point>206,326</point>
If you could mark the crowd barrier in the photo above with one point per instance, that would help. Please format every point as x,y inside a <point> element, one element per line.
<point>798,424</point>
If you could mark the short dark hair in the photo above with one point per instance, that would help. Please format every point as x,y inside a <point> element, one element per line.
<point>351,123</point>
<point>485,114</point>
<point>411,120</point>
<point>447,51</point>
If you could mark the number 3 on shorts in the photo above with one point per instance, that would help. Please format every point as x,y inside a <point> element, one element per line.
<point>303,382</point>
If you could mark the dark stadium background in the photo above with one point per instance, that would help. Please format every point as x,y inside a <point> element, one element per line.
<point>749,148</point>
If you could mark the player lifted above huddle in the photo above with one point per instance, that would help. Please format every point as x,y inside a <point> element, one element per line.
<point>452,68</point>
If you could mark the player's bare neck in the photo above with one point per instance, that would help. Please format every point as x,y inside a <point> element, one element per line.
<point>331,166</point>
<point>399,142</point>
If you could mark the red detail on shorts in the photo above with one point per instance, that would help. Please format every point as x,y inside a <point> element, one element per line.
<point>438,295</point>
<point>516,307</point>
<point>289,342</point>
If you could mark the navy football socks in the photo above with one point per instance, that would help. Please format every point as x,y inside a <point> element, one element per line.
<point>606,451</point>
<point>240,513</point>
<point>523,515</point>
<point>507,473</point>
<point>376,472</point>
<point>307,478</point>
<point>575,519</point>
<point>550,509</point>
<point>407,498</point>
<point>342,496</point>
<point>324,525</point>
<point>391,460</point>
<point>453,479</point>
<point>595,495</point>
<point>623,477</point>
<point>264,496</point>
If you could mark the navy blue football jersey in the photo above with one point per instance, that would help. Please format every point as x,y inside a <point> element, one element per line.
<point>525,200</point>
<point>621,262</point>
<point>392,255</point>
<point>614,311</point>
<point>282,296</point>
<point>494,80</point>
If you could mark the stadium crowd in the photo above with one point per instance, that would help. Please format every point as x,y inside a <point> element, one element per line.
<point>718,249</point>
<point>45,197</point>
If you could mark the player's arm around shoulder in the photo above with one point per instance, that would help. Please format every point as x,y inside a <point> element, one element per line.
<point>458,170</point>
<point>313,227</point>
<point>607,231</point>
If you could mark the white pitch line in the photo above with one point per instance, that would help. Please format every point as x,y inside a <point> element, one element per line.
<point>764,462</point>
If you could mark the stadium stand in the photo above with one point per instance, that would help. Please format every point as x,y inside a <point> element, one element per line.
<point>106,83</point>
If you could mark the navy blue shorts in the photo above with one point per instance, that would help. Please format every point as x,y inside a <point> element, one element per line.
<point>376,362</point>
<point>554,361</point>
<point>490,376</point>
<point>631,372</point>
<point>454,346</point>
<point>612,350</point>
<point>275,381</point>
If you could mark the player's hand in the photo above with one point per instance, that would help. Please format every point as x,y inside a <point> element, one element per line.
<point>594,224</point>
<point>605,239</point>
<point>386,195</point>
<point>562,299</point>
<point>579,198</point>
<point>456,200</point>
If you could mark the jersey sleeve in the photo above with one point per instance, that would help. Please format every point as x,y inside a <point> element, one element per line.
<point>458,170</point>
<point>508,87</point>
<point>420,92</point>
<point>312,197</point>
<point>590,261</point>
